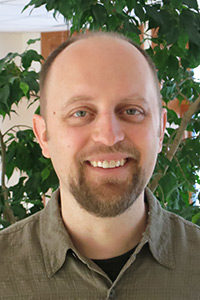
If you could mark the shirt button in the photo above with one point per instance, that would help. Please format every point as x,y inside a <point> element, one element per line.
<point>112,294</point>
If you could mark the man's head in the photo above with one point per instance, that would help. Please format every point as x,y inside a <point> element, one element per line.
<point>101,123</point>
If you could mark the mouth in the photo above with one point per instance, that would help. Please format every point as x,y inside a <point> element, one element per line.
<point>108,164</point>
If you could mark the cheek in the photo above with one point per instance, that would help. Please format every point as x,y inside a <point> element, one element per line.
<point>75,139</point>
<point>147,143</point>
<point>68,142</point>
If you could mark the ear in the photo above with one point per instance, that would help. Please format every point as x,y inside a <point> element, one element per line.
<point>163,122</point>
<point>40,130</point>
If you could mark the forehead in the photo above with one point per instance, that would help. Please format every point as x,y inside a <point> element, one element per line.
<point>99,50</point>
<point>96,62</point>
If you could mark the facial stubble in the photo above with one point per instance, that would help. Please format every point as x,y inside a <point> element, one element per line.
<point>110,196</point>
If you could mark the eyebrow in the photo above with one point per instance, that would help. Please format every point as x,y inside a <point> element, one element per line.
<point>80,98</point>
<point>75,99</point>
<point>136,98</point>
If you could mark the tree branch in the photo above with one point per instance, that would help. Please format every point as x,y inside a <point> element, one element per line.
<point>7,213</point>
<point>15,126</point>
<point>179,165</point>
<point>194,107</point>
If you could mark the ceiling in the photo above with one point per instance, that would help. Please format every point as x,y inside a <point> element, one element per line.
<point>13,20</point>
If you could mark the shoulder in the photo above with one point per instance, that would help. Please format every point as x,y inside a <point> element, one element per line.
<point>172,238</point>
<point>15,238</point>
<point>21,253</point>
<point>20,225</point>
<point>183,242</point>
<point>21,260</point>
<point>184,238</point>
<point>181,228</point>
<point>170,224</point>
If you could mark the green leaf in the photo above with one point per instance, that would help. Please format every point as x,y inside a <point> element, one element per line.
<point>190,22</point>
<point>160,57</point>
<point>172,117</point>
<point>45,173</point>
<point>66,7</point>
<point>169,91</point>
<point>99,13</point>
<point>10,56</point>
<point>32,80</point>
<point>130,28</point>
<point>139,11</point>
<point>173,66</point>
<point>130,4</point>
<point>195,218</point>
<point>15,93</point>
<point>9,170</point>
<point>154,15</point>
<point>50,5</point>
<point>2,64</point>
<point>168,184</point>
<point>168,32</point>
<point>12,79</point>
<point>24,87</point>
<point>191,4</point>
<point>36,3</point>
<point>119,6</point>
<point>175,3</point>
<point>37,112</point>
<point>4,94</point>
<point>29,56</point>
<point>183,39</point>
<point>133,36</point>
<point>19,210</point>
<point>32,41</point>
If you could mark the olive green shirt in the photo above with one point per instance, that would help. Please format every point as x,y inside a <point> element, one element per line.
<point>39,261</point>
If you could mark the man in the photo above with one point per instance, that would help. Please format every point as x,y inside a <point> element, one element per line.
<point>103,235</point>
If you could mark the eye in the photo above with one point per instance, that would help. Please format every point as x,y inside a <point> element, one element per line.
<point>80,114</point>
<point>132,112</point>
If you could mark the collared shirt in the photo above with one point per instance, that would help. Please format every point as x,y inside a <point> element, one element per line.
<point>38,261</point>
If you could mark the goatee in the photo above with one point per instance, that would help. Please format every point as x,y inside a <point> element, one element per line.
<point>110,196</point>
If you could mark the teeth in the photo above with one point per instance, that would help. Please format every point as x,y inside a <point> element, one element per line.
<point>108,164</point>
<point>105,164</point>
<point>113,164</point>
<point>94,163</point>
<point>99,164</point>
<point>118,163</point>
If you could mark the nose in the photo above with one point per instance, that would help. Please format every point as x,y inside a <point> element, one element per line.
<point>108,130</point>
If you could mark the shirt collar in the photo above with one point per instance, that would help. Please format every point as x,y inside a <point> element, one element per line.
<point>56,242</point>
<point>55,239</point>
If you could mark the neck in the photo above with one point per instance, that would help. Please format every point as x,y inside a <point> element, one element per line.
<point>101,238</point>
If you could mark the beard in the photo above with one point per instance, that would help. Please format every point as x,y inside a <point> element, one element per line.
<point>108,197</point>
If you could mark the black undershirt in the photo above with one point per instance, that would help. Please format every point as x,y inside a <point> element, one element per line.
<point>112,266</point>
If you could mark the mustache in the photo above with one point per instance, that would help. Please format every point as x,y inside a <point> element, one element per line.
<point>122,147</point>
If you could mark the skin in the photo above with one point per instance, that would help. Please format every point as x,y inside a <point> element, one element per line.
<point>100,96</point>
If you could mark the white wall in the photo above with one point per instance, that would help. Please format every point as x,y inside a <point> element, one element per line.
<point>16,42</point>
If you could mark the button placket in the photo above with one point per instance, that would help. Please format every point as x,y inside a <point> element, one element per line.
<point>111,294</point>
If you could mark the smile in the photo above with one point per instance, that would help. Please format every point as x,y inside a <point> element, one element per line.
<point>105,164</point>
